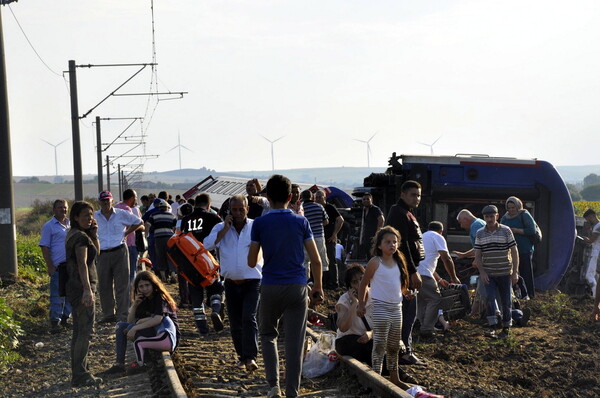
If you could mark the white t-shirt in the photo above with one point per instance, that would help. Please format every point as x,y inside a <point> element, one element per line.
<point>596,244</point>
<point>432,243</point>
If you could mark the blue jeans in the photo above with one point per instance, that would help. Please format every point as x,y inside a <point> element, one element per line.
<point>59,306</point>
<point>242,303</point>
<point>133,258</point>
<point>504,294</point>
<point>121,340</point>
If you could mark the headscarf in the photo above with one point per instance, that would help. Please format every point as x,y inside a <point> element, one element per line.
<point>518,204</point>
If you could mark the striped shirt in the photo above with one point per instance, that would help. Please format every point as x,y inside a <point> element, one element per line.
<point>162,223</point>
<point>495,249</point>
<point>315,214</point>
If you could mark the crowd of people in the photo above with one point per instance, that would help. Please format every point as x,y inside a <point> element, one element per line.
<point>278,249</point>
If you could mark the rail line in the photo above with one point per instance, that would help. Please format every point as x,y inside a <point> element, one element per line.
<point>207,368</point>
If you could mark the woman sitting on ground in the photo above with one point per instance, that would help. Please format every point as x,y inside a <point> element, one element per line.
<point>354,335</point>
<point>151,323</point>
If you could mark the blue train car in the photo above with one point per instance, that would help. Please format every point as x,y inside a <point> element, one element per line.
<point>452,183</point>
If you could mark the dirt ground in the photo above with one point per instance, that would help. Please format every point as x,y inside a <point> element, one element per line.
<point>557,355</point>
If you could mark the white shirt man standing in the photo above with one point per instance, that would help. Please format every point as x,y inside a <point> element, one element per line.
<point>242,283</point>
<point>429,296</point>
<point>113,261</point>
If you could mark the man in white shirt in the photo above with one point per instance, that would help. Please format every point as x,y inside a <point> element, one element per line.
<point>242,283</point>
<point>113,261</point>
<point>429,296</point>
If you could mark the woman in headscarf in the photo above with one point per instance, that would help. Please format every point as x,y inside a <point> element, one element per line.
<point>522,226</point>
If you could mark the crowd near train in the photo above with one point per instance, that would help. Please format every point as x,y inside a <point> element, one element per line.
<point>495,230</point>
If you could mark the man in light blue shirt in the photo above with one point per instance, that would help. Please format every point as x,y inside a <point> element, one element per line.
<point>52,243</point>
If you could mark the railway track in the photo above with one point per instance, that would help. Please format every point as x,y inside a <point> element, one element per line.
<point>207,368</point>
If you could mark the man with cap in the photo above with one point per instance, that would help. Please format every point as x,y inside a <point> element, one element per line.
<point>162,224</point>
<point>497,258</point>
<point>113,261</point>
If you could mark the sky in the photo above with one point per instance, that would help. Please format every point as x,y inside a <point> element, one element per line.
<point>510,78</point>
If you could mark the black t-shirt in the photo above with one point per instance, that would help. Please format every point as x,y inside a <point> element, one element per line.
<point>332,214</point>
<point>149,307</point>
<point>200,223</point>
<point>371,218</point>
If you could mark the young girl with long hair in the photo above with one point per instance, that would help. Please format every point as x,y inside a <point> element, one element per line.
<point>388,276</point>
<point>151,323</point>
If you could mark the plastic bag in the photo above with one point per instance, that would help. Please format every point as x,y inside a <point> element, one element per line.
<point>319,359</point>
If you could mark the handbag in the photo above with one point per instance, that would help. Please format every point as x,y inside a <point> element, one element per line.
<point>536,238</point>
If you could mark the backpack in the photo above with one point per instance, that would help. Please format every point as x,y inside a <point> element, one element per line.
<point>536,238</point>
<point>194,263</point>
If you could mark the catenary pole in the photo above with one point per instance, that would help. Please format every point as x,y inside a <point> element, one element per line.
<point>107,173</point>
<point>77,172</point>
<point>99,153</point>
<point>8,244</point>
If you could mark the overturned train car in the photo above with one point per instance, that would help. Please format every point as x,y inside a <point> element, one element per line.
<point>452,183</point>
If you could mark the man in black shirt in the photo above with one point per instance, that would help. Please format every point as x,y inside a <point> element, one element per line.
<point>200,222</point>
<point>336,221</point>
<point>372,221</point>
<point>411,245</point>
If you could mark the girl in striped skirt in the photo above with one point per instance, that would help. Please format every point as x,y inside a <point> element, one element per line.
<point>388,276</point>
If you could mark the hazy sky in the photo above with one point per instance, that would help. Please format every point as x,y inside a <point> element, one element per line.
<point>504,78</point>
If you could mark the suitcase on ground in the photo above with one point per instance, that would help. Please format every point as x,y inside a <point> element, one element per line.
<point>194,263</point>
<point>456,302</point>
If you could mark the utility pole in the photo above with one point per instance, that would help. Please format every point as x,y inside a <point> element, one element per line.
<point>8,239</point>
<point>77,171</point>
<point>120,181</point>
<point>99,153</point>
<point>107,173</point>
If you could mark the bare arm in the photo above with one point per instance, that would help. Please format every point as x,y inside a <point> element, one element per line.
<point>449,266</point>
<point>133,228</point>
<point>514,254</point>
<point>253,254</point>
<point>48,260</point>
<point>315,267</point>
<point>479,264</point>
<point>380,222</point>
<point>468,254</point>
<point>339,223</point>
<point>81,253</point>
<point>372,266</point>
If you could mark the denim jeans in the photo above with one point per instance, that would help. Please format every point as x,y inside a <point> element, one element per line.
<point>242,303</point>
<point>121,340</point>
<point>59,306</point>
<point>133,259</point>
<point>504,295</point>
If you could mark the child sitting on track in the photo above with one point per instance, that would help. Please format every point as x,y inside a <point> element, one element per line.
<point>151,323</point>
<point>388,276</point>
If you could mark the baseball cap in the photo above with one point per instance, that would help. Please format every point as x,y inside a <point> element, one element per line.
<point>489,209</point>
<point>105,195</point>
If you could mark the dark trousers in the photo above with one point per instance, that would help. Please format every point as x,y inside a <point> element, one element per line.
<point>83,327</point>
<point>332,277</point>
<point>242,303</point>
<point>409,313</point>
<point>499,287</point>
<point>526,271</point>
<point>349,345</point>
<point>197,294</point>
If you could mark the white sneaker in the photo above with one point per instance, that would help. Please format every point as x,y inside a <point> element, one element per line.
<point>274,392</point>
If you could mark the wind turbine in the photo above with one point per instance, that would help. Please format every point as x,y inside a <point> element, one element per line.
<point>55,154</point>
<point>368,142</point>
<point>179,146</point>
<point>431,145</point>
<point>272,156</point>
